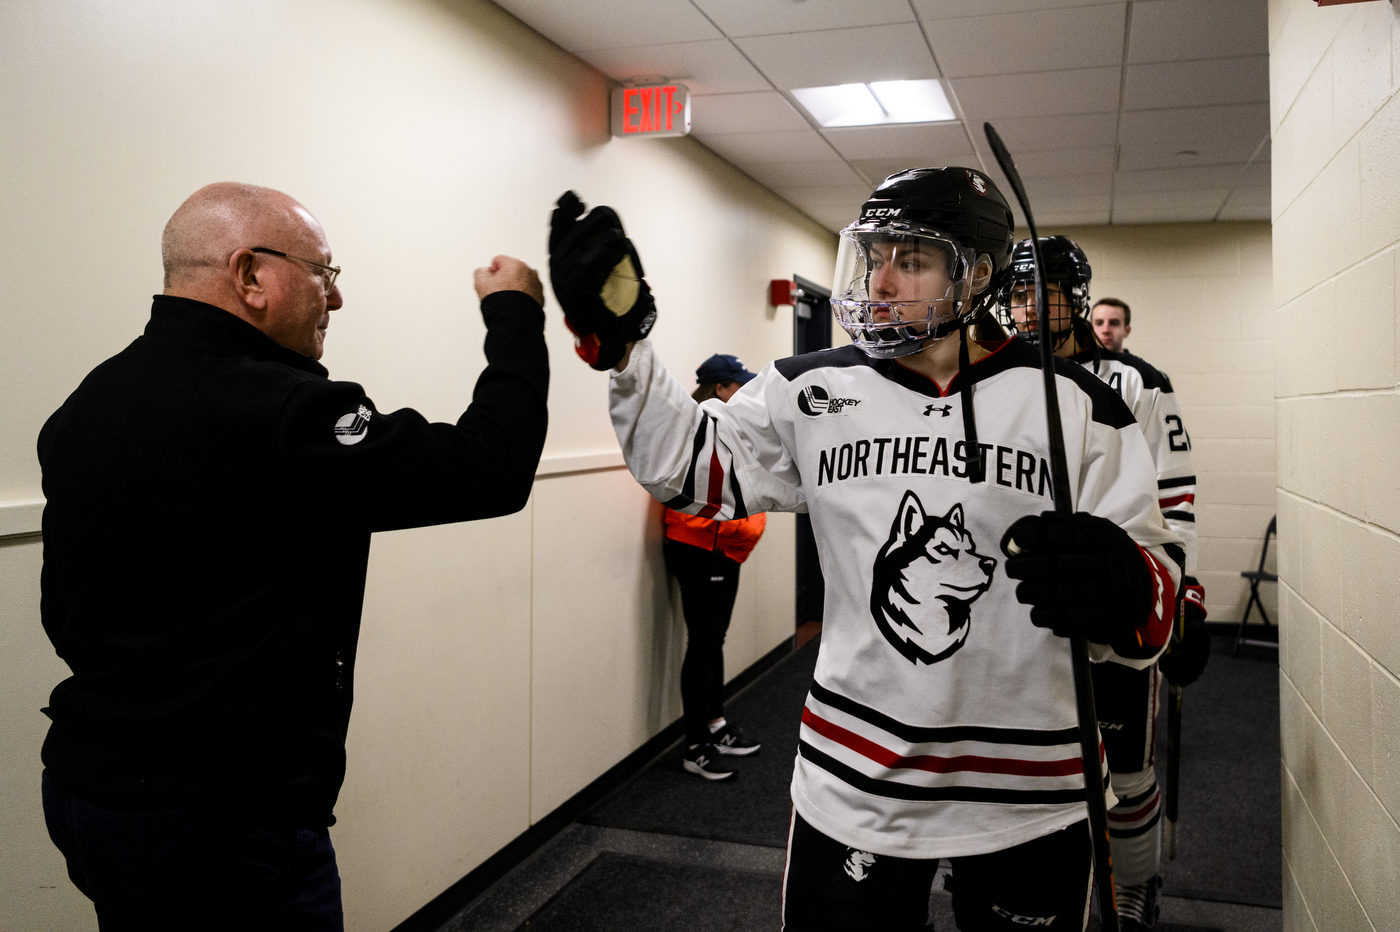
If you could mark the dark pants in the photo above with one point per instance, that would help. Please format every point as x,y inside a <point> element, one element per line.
<point>1042,884</point>
<point>709,582</point>
<point>195,869</point>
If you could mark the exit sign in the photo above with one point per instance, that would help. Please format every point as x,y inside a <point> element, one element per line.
<point>651,110</point>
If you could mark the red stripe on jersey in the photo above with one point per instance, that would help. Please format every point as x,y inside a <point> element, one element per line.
<point>1189,498</point>
<point>716,496</point>
<point>931,764</point>
<point>1158,629</point>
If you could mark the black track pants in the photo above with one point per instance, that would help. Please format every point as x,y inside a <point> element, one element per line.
<point>709,582</point>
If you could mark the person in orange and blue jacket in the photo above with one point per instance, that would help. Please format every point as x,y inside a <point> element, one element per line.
<point>704,556</point>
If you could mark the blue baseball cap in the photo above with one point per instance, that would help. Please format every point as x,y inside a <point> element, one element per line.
<point>721,368</point>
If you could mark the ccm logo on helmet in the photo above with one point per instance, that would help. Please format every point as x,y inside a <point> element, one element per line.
<point>881,212</point>
<point>814,401</point>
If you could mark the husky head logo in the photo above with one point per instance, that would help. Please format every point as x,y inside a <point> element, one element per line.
<point>927,576</point>
<point>858,863</point>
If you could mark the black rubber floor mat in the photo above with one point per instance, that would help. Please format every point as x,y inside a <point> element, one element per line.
<point>754,807</point>
<point>1230,829</point>
<point>621,891</point>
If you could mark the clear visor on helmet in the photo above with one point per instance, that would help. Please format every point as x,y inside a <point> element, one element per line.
<point>898,287</point>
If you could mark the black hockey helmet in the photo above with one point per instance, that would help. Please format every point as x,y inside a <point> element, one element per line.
<point>1066,266</point>
<point>951,217</point>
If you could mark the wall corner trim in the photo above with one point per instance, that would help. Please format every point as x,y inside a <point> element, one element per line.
<point>21,518</point>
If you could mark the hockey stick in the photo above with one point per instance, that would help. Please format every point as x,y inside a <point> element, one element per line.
<point>1174,738</point>
<point>1079,648</point>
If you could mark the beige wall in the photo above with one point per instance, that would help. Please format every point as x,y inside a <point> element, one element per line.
<point>1336,203</point>
<point>1202,298</point>
<point>504,664</point>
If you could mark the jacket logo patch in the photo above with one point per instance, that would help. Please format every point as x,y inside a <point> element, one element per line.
<point>351,428</point>
<point>857,864</point>
<point>814,401</point>
<point>926,578</point>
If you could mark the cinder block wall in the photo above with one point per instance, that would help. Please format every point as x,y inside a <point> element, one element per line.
<point>1336,206</point>
<point>1202,302</point>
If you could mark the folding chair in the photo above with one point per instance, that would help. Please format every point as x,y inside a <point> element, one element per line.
<point>1256,577</point>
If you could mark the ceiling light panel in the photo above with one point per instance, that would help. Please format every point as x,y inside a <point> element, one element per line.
<point>876,103</point>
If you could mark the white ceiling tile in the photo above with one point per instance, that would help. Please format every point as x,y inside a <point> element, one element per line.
<point>1183,30</point>
<point>767,17</point>
<point>1091,160</point>
<point>1152,138</point>
<point>1048,40</point>
<point>601,24</point>
<point>1036,134</point>
<point>1247,203</point>
<point>1167,206</point>
<point>1088,90</point>
<point>1193,178</point>
<point>1198,83</point>
<point>704,67</point>
<point>842,56</point>
<point>1058,186</point>
<point>905,141</point>
<point>947,9</point>
<point>832,172</point>
<point>759,111</point>
<point>744,149</point>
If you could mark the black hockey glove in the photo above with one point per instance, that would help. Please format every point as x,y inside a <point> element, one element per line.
<point>597,279</point>
<point>1082,575</point>
<point>1186,659</point>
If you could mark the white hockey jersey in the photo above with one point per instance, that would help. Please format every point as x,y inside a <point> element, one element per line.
<point>941,722</point>
<point>1148,393</point>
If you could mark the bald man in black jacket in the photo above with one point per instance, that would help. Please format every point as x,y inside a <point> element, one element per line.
<point>210,498</point>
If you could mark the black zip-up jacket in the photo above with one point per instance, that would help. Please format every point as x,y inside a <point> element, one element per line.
<point>211,496</point>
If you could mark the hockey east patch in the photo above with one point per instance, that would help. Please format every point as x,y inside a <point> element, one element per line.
<point>926,578</point>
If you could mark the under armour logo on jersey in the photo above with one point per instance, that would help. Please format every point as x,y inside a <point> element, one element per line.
<point>857,864</point>
<point>945,410</point>
<point>351,428</point>
<point>814,401</point>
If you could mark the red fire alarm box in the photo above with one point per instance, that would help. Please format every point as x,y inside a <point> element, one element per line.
<point>782,291</point>
<point>651,110</point>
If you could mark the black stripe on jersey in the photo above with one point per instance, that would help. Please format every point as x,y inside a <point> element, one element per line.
<point>687,496</point>
<point>843,357</point>
<point>1151,376</point>
<point>1180,516</point>
<point>916,734</point>
<point>740,511</point>
<point>891,789</point>
<point>1175,483</point>
<point>1177,554</point>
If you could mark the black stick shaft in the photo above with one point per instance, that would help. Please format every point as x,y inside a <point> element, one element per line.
<point>1079,648</point>
<point>1173,765</point>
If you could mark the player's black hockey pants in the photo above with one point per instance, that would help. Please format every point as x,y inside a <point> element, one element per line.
<point>709,582</point>
<point>1041,884</point>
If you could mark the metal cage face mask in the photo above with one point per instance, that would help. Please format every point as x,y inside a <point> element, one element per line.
<point>899,287</point>
<point>1016,310</point>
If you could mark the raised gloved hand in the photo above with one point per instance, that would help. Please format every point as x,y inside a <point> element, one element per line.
<point>597,279</point>
<point>1082,575</point>
<point>1186,659</point>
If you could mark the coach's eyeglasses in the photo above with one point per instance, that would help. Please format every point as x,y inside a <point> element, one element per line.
<point>329,273</point>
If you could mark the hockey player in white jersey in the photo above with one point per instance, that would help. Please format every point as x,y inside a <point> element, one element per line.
<point>1126,696</point>
<point>941,722</point>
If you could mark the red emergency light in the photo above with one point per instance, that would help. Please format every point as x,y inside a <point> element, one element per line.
<point>651,110</point>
